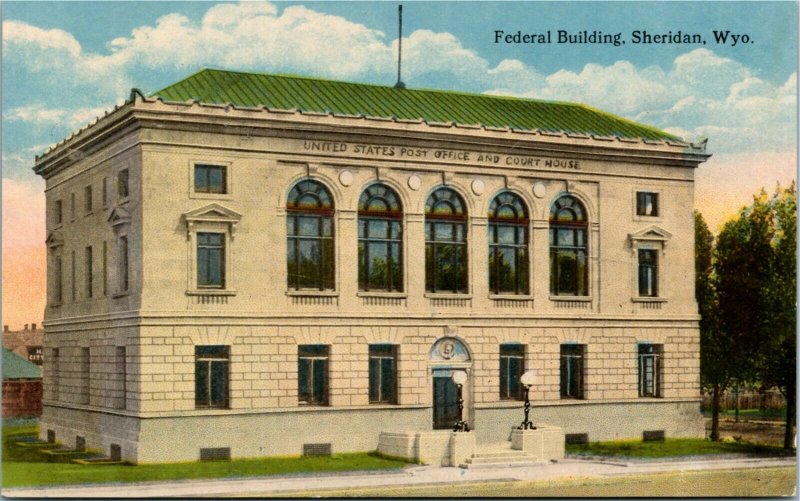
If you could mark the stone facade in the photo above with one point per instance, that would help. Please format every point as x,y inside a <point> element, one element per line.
<point>120,346</point>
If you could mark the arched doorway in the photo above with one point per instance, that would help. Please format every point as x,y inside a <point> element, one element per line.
<point>447,355</point>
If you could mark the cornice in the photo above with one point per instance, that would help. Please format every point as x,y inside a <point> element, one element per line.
<point>266,121</point>
<point>349,319</point>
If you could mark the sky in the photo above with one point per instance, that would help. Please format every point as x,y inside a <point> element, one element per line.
<point>64,63</point>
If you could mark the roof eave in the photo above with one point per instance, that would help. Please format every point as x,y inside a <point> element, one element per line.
<point>82,137</point>
<point>688,150</point>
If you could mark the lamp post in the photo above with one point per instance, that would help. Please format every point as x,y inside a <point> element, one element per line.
<point>527,381</point>
<point>460,378</point>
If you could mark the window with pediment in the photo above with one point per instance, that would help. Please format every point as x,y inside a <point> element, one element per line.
<point>648,246</point>
<point>210,233</point>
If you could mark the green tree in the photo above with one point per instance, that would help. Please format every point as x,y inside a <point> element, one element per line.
<point>778,359</point>
<point>753,339</point>
<point>715,373</point>
<point>742,270</point>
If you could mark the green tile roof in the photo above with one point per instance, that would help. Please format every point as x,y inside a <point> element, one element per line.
<point>16,367</point>
<point>286,92</point>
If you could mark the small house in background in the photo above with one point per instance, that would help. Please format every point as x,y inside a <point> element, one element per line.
<point>26,343</point>
<point>22,386</point>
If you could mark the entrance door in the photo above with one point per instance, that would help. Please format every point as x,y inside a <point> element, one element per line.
<point>445,403</point>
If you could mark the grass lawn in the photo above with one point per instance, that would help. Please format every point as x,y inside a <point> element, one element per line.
<point>28,467</point>
<point>769,414</point>
<point>670,447</point>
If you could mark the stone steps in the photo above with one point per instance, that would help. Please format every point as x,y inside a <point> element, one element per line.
<point>100,460</point>
<point>499,454</point>
<point>494,454</point>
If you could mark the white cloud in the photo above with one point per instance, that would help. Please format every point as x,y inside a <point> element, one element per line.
<point>39,115</point>
<point>55,58</point>
<point>512,76</point>
<point>248,35</point>
<point>701,93</point>
<point>641,88</point>
<point>35,114</point>
<point>702,69</point>
<point>16,33</point>
<point>245,35</point>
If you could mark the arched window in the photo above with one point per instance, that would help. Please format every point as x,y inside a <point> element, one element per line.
<point>380,240</point>
<point>508,245</point>
<point>309,230</point>
<point>445,242</point>
<point>568,259</point>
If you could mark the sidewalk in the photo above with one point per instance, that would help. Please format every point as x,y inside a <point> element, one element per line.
<point>414,475</point>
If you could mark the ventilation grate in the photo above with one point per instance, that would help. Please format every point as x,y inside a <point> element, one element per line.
<point>317,449</point>
<point>576,438</point>
<point>215,454</point>
<point>51,436</point>
<point>653,436</point>
<point>80,443</point>
<point>115,452</point>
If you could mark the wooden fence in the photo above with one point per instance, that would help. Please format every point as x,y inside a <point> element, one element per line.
<point>748,399</point>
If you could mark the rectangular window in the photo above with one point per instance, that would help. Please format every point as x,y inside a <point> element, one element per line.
<point>446,257</point>
<point>58,293</point>
<point>123,251</point>
<point>105,268</point>
<point>312,374</point>
<point>211,260</point>
<point>86,375</point>
<point>105,192</point>
<point>210,179</point>
<point>380,254</point>
<point>310,252</point>
<point>73,275</point>
<point>88,274</point>
<point>512,365</point>
<point>58,212</point>
<point>87,199</point>
<point>572,356</point>
<point>382,374</point>
<point>56,374</point>
<point>569,275</point>
<point>122,184</point>
<point>211,376</point>
<point>122,371</point>
<point>648,273</point>
<point>646,203</point>
<point>650,365</point>
<point>72,206</point>
<point>508,258</point>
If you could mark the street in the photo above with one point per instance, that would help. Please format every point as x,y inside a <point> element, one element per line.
<point>570,477</point>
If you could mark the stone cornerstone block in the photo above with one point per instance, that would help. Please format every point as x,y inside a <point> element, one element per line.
<point>545,442</point>
<point>462,446</point>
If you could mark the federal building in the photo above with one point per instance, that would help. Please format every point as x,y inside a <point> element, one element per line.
<point>244,265</point>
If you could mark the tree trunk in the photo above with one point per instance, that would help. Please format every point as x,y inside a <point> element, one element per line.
<point>715,397</point>
<point>736,402</point>
<point>788,435</point>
